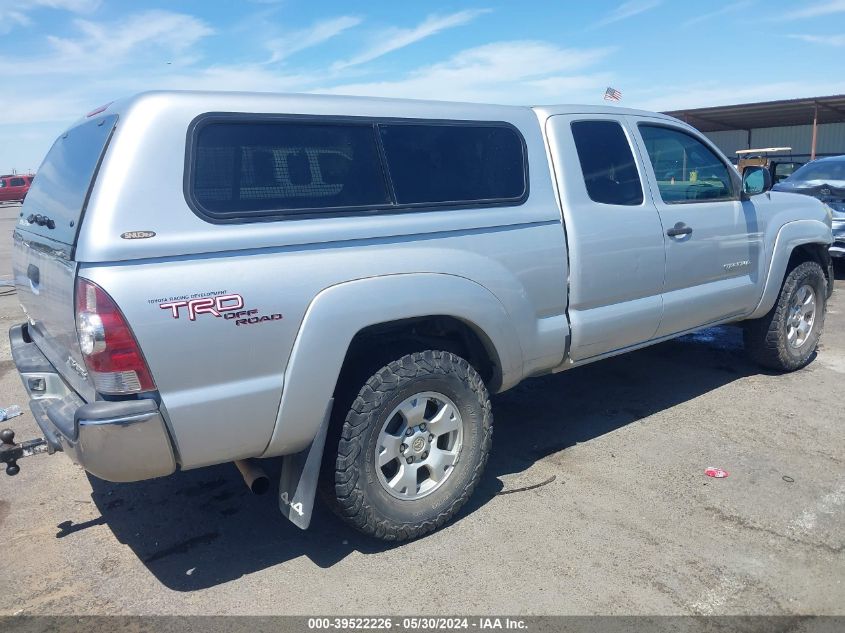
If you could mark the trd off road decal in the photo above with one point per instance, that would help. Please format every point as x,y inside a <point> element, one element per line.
<point>229,306</point>
<point>207,305</point>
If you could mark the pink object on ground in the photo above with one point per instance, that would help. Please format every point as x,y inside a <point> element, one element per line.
<point>718,473</point>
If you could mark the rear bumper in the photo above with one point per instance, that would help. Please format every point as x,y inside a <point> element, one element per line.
<point>123,440</point>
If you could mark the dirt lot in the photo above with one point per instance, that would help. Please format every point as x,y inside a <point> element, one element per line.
<point>629,523</point>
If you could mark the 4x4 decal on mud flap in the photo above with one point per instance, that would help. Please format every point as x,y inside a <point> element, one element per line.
<point>221,304</point>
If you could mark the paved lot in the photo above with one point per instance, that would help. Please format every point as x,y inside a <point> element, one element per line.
<point>628,524</point>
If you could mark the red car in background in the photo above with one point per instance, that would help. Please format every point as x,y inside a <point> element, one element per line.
<point>14,187</point>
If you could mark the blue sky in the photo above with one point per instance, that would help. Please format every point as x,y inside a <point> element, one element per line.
<point>61,58</point>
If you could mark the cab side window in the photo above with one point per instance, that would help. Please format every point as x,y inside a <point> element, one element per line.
<point>607,163</point>
<point>685,168</point>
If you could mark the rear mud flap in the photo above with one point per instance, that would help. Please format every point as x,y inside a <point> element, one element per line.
<point>300,473</point>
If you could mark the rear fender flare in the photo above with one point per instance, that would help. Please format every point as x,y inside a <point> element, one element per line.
<point>339,312</point>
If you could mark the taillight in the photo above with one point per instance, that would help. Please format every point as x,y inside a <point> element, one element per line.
<point>114,360</point>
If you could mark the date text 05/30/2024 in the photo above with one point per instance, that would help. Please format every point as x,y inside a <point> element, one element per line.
<point>421,623</point>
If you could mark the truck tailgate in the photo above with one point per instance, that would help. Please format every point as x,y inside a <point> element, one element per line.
<point>44,238</point>
<point>44,279</point>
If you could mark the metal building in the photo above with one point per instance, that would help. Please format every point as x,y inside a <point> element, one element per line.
<point>812,127</point>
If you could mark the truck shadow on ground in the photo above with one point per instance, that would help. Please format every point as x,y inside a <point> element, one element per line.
<point>202,528</point>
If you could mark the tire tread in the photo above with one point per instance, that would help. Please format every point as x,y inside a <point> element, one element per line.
<point>765,338</point>
<point>350,501</point>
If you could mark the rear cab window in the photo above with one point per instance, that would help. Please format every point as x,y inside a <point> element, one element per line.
<point>243,169</point>
<point>607,163</point>
<point>65,179</point>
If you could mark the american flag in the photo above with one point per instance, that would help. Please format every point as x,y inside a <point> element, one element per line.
<point>612,94</point>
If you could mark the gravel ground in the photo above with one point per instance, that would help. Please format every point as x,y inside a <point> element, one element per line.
<point>625,523</point>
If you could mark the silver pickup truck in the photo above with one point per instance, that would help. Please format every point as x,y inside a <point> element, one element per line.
<point>219,277</point>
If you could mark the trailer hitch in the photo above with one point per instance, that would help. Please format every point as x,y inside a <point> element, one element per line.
<point>10,452</point>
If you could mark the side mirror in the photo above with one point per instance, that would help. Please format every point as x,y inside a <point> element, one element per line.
<point>756,180</point>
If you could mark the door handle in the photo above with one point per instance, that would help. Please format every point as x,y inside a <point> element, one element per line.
<point>679,229</point>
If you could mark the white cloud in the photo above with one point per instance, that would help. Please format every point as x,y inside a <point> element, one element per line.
<point>829,40</point>
<point>320,32</point>
<point>395,38</point>
<point>134,40</point>
<point>10,18</point>
<point>174,32</point>
<point>14,13</point>
<point>248,78</point>
<point>628,10</point>
<point>829,7</point>
<point>566,89</point>
<point>76,6</point>
<point>662,97</point>
<point>732,7</point>
<point>505,72</point>
<point>28,107</point>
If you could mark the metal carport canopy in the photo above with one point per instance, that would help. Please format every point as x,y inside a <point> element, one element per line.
<point>765,114</point>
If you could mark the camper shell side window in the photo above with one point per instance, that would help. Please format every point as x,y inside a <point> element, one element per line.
<point>248,168</point>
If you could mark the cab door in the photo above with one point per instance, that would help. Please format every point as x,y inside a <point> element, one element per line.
<point>17,188</point>
<point>714,242</point>
<point>613,230</point>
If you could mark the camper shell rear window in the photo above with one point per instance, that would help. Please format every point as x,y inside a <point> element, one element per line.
<point>65,178</point>
<point>245,168</point>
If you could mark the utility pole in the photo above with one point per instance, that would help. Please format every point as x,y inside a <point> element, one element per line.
<point>815,131</point>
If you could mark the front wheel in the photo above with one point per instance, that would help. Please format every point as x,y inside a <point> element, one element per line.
<point>413,446</point>
<point>787,337</point>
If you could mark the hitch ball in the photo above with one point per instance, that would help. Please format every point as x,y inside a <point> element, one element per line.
<point>10,452</point>
<point>7,436</point>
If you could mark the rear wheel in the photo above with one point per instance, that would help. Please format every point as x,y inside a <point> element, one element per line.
<point>413,446</point>
<point>787,337</point>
